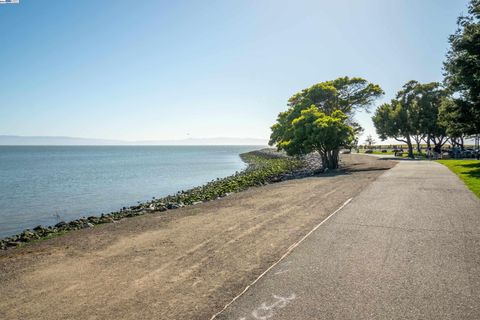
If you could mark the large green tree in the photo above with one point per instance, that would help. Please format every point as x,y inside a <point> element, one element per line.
<point>450,118</point>
<point>344,94</point>
<point>424,101</point>
<point>396,120</point>
<point>409,96</point>
<point>414,114</point>
<point>462,70</point>
<point>314,130</point>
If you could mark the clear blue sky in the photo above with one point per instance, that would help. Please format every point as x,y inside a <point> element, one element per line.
<point>154,69</point>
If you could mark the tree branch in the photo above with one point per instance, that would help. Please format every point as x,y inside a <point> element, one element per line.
<point>400,140</point>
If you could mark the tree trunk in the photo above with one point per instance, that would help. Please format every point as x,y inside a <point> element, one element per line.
<point>329,159</point>
<point>323,156</point>
<point>335,159</point>
<point>454,141</point>
<point>418,140</point>
<point>410,147</point>
<point>439,144</point>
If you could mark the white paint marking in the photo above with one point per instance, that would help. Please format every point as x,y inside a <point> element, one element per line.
<point>293,246</point>
<point>268,311</point>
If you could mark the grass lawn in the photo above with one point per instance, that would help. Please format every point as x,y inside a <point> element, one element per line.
<point>467,170</point>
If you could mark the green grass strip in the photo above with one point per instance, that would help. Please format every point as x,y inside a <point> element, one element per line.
<point>467,170</point>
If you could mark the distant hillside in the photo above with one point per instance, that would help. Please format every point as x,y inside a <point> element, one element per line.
<point>54,141</point>
<point>9,140</point>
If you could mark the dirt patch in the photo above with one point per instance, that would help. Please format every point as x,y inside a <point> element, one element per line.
<point>186,264</point>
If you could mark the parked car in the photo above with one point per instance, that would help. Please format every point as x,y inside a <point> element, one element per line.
<point>468,153</point>
<point>369,151</point>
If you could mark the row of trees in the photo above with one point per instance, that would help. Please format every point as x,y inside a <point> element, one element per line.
<point>437,113</point>
<point>414,116</point>
<point>321,117</point>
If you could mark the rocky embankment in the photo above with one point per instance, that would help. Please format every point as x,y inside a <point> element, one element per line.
<point>264,166</point>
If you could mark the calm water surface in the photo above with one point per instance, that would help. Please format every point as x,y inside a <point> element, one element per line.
<point>39,185</point>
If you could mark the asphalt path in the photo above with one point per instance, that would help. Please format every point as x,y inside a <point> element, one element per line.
<point>407,247</point>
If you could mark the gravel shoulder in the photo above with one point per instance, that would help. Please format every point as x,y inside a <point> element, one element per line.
<point>186,264</point>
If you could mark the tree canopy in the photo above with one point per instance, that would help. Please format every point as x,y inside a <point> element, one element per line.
<point>334,103</point>
<point>395,120</point>
<point>345,94</point>
<point>424,101</point>
<point>314,130</point>
<point>413,114</point>
<point>462,71</point>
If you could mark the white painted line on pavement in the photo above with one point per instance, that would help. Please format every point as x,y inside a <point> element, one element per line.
<point>293,246</point>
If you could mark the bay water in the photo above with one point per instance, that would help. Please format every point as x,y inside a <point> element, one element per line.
<point>47,184</point>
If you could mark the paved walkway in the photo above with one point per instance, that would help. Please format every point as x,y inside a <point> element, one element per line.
<point>408,247</point>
